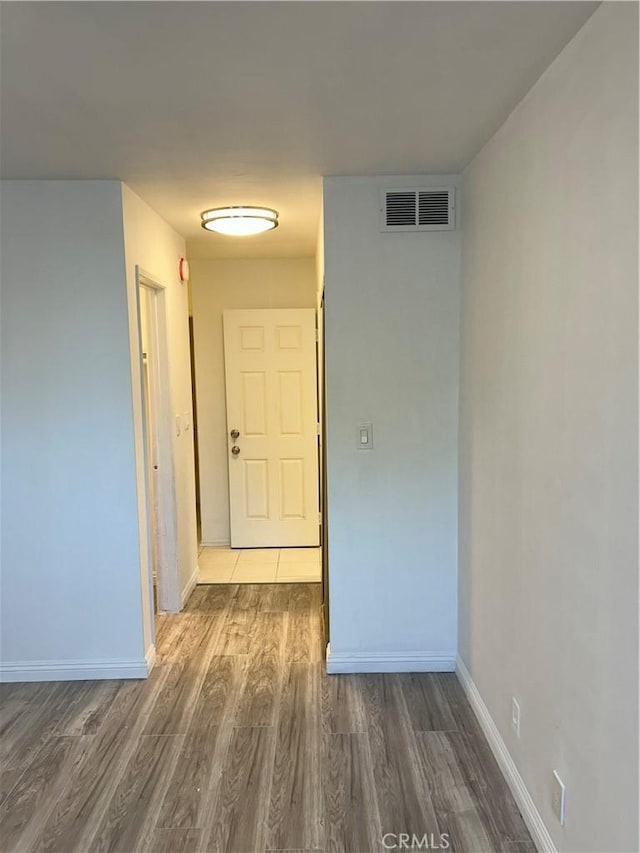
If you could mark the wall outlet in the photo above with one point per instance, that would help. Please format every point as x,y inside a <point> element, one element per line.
<point>558,793</point>
<point>515,716</point>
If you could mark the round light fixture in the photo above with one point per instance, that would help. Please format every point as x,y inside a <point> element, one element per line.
<point>240,220</point>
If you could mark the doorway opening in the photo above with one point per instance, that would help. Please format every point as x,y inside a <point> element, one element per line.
<point>273,448</point>
<point>159,479</point>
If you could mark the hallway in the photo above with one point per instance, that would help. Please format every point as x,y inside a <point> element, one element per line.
<point>239,742</point>
<point>259,565</point>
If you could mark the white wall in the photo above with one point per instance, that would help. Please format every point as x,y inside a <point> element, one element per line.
<point>549,432</point>
<point>218,285</point>
<point>75,592</point>
<point>70,552</point>
<point>391,325</point>
<point>154,247</point>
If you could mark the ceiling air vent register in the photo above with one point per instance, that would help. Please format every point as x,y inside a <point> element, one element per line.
<point>426,209</point>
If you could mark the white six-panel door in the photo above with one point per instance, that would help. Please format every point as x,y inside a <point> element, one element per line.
<point>270,371</point>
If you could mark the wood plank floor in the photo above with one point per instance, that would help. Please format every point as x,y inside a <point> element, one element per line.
<point>240,742</point>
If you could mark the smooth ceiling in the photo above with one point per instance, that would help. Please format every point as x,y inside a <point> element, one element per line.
<point>202,104</point>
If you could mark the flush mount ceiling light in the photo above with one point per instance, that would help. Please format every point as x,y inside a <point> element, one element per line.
<point>240,220</point>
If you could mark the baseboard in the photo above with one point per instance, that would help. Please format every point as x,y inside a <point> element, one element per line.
<point>536,826</point>
<point>216,543</point>
<point>73,670</point>
<point>338,662</point>
<point>190,586</point>
<point>150,658</point>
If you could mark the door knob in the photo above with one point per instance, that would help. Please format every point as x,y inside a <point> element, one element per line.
<point>235,450</point>
<point>235,434</point>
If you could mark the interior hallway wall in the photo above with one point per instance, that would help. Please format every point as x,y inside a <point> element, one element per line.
<point>218,285</point>
<point>549,433</point>
<point>156,248</point>
<point>75,591</point>
<point>71,603</point>
<point>391,337</point>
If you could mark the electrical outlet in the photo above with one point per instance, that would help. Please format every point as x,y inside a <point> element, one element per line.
<point>515,716</point>
<point>558,796</point>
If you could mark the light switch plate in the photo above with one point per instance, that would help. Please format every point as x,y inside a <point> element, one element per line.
<point>364,437</point>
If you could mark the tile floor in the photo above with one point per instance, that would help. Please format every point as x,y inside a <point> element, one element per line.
<point>259,565</point>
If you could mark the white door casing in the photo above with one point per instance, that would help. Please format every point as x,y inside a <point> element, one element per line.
<point>158,446</point>
<point>270,371</point>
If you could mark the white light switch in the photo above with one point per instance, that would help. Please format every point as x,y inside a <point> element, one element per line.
<point>365,437</point>
<point>186,420</point>
<point>177,424</point>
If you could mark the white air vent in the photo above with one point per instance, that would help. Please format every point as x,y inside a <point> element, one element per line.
<point>426,209</point>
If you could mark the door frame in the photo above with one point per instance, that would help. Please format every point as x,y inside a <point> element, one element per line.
<point>322,454</point>
<point>164,478</point>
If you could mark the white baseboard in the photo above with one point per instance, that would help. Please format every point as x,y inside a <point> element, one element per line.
<point>216,543</point>
<point>72,670</point>
<point>190,586</point>
<point>536,826</point>
<point>338,662</point>
<point>150,658</point>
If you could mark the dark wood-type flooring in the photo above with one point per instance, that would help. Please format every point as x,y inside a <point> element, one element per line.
<point>239,741</point>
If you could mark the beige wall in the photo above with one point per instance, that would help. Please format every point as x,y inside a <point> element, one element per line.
<point>153,246</point>
<point>319,269</point>
<point>548,559</point>
<point>217,285</point>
